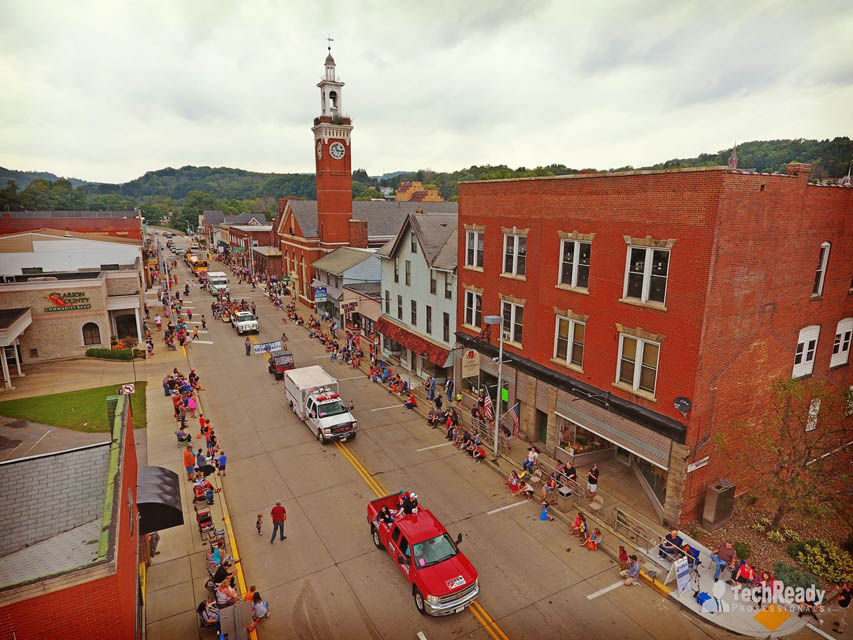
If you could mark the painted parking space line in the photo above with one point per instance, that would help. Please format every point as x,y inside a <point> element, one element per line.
<point>601,592</point>
<point>390,406</point>
<point>436,446</point>
<point>509,506</point>
<point>352,378</point>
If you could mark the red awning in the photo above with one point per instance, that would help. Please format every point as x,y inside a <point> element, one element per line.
<point>413,342</point>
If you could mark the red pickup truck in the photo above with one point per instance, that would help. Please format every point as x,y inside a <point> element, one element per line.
<point>443,580</point>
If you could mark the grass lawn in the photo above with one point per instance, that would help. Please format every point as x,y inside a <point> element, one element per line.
<point>84,410</point>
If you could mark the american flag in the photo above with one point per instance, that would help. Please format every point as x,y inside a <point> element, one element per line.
<point>487,406</point>
<point>514,415</point>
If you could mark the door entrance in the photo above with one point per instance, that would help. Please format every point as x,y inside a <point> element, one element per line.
<point>541,423</point>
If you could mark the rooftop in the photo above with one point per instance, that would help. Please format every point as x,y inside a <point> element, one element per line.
<point>8,317</point>
<point>368,289</point>
<point>45,532</point>
<point>383,217</point>
<point>251,227</point>
<point>267,251</point>
<point>436,234</point>
<point>341,259</point>
<point>244,218</point>
<point>71,214</point>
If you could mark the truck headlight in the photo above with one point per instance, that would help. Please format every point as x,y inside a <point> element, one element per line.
<point>327,431</point>
<point>433,600</point>
<point>354,426</point>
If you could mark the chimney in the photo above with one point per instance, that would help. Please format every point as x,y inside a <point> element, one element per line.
<point>799,169</point>
<point>419,211</point>
<point>358,234</point>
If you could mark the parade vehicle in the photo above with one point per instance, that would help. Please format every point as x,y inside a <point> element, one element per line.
<point>314,397</point>
<point>279,362</point>
<point>443,581</point>
<point>217,282</point>
<point>244,322</point>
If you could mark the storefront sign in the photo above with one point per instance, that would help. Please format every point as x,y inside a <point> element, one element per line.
<point>68,301</point>
<point>319,294</point>
<point>470,363</point>
<point>349,307</point>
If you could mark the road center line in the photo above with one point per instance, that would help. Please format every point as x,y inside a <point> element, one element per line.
<point>435,446</point>
<point>601,592</point>
<point>509,506</point>
<point>202,342</point>
<point>391,406</point>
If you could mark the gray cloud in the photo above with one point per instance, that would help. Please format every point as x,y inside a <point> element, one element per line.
<point>106,91</point>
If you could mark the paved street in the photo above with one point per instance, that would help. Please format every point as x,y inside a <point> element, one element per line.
<point>327,576</point>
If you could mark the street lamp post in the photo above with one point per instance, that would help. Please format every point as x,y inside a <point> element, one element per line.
<point>496,321</point>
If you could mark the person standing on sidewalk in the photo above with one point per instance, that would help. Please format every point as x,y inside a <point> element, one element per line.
<point>279,515</point>
<point>189,462</point>
<point>248,347</point>
<point>845,593</point>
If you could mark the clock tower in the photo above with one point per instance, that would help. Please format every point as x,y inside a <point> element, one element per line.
<point>332,150</point>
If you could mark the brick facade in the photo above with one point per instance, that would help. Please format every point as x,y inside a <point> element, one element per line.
<point>124,224</point>
<point>743,249</point>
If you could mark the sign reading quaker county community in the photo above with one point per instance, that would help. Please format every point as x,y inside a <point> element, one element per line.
<point>68,301</point>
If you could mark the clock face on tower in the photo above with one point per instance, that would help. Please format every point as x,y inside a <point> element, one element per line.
<point>319,150</point>
<point>337,150</point>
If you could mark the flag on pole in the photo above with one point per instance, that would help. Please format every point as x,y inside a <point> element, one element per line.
<point>514,412</point>
<point>487,405</point>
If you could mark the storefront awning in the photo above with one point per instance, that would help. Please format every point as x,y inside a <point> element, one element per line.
<point>413,342</point>
<point>645,443</point>
<point>159,499</point>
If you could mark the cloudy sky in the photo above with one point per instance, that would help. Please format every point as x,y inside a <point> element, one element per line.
<point>106,90</point>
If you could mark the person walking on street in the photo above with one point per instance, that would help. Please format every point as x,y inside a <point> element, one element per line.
<point>279,515</point>
<point>284,340</point>
<point>592,481</point>
<point>248,347</point>
<point>845,592</point>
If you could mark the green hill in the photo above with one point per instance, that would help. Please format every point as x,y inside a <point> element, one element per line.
<point>187,191</point>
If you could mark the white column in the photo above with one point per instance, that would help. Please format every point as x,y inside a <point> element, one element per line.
<point>17,358</point>
<point>138,327</point>
<point>6,377</point>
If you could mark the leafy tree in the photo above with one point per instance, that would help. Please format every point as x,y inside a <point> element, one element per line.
<point>369,194</point>
<point>796,455</point>
<point>361,176</point>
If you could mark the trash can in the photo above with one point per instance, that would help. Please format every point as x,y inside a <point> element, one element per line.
<point>564,499</point>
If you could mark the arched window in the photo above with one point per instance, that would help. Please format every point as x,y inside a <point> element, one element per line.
<point>91,333</point>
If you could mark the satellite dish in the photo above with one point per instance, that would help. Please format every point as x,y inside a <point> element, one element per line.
<point>683,405</point>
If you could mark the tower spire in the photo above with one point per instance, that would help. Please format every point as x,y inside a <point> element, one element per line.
<point>733,158</point>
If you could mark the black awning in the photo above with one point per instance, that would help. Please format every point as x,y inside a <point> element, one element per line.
<point>159,499</point>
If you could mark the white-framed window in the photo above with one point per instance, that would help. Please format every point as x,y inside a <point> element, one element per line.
<point>414,313</point>
<point>638,363</point>
<point>473,308</point>
<point>515,254</point>
<point>387,301</point>
<point>433,282</point>
<point>806,349</point>
<point>814,410</point>
<point>448,286</point>
<point>399,307</point>
<point>513,321</point>
<point>820,272</point>
<point>429,320</point>
<point>569,336</point>
<point>414,243</point>
<point>841,345</point>
<point>408,273</point>
<point>646,271</point>
<point>474,248</point>
<point>574,263</point>
<point>396,270</point>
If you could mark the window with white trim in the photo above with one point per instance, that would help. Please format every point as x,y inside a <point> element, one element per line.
<point>814,410</point>
<point>433,282</point>
<point>820,272</point>
<point>574,263</point>
<point>646,273</point>
<point>429,320</point>
<point>408,273</point>
<point>414,313</point>
<point>638,363</point>
<point>445,327</point>
<point>399,307</point>
<point>513,321</point>
<point>396,270</point>
<point>515,254</point>
<point>387,301</point>
<point>414,243</point>
<point>841,345</point>
<point>474,248</point>
<point>473,308</point>
<point>448,286</point>
<point>569,340</point>
<point>806,349</point>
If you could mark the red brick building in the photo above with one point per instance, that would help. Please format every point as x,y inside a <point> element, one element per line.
<point>620,293</point>
<point>309,229</point>
<point>70,557</point>
<point>123,224</point>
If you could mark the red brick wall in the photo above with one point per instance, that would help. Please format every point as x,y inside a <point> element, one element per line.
<point>358,233</point>
<point>129,227</point>
<point>104,608</point>
<point>760,297</point>
<point>334,194</point>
